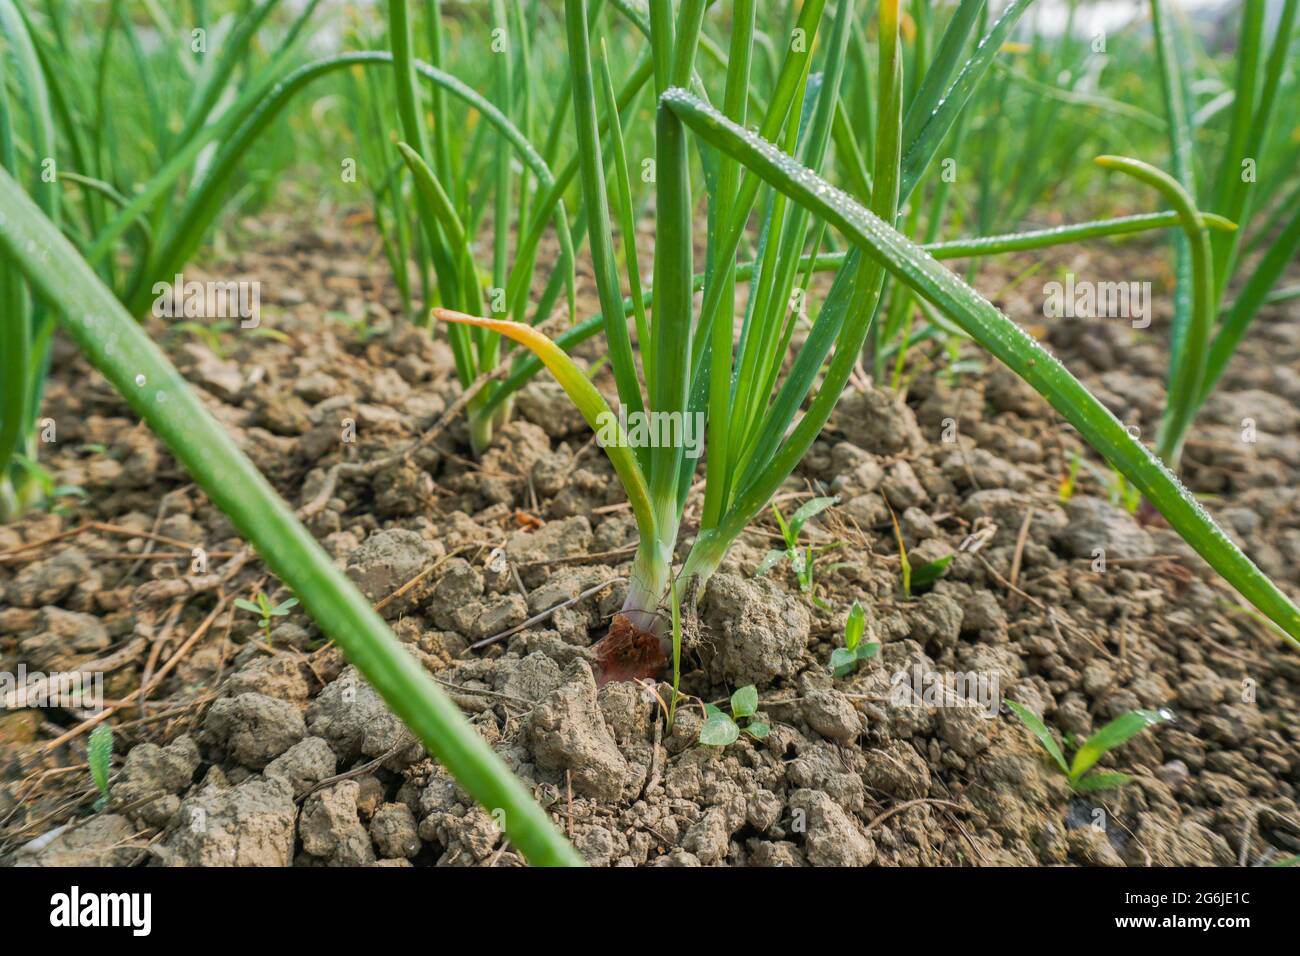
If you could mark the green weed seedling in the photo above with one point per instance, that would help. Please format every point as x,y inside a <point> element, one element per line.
<point>1118,731</point>
<point>929,572</point>
<point>53,496</point>
<point>1120,491</point>
<point>208,333</point>
<point>913,578</point>
<point>844,660</point>
<point>99,754</point>
<point>1124,493</point>
<point>361,327</point>
<point>721,729</point>
<point>802,559</point>
<point>266,610</point>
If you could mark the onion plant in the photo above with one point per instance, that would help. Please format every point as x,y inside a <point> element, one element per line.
<point>452,201</point>
<point>133,164</point>
<point>762,417</point>
<point>457,178</point>
<point>448,214</point>
<point>61,132</point>
<point>130,180</point>
<point>60,278</point>
<point>937,55</point>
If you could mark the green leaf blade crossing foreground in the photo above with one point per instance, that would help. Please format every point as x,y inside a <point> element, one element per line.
<point>1004,339</point>
<point>120,349</point>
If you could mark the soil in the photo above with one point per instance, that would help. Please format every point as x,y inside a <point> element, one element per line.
<point>499,574</point>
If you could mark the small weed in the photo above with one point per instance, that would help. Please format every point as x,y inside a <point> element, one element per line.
<point>930,572</point>
<point>721,728</point>
<point>802,559</point>
<point>1125,494</point>
<point>361,328</point>
<point>844,660</point>
<point>99,754</point>
<point>1094,748</point>
<point>208,333</point>
<point>923,576</point>
<point>956,366</point>
<point>53,497</point>
<point>266,610</point>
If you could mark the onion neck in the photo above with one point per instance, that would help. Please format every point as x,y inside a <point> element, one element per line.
<point>651,573</point>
